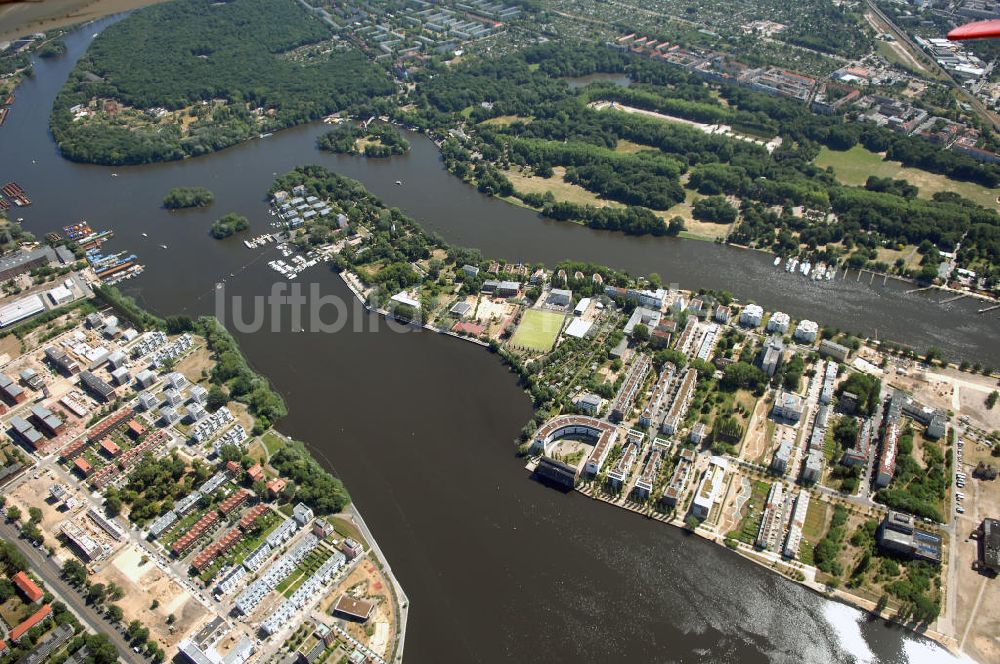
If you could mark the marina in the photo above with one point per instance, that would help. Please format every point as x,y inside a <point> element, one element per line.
<point>819,272</point>
<point>260,240</point>
<point>109,268</point>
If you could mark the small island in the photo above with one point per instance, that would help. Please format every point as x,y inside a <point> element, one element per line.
<point>228,225</point>
<point>370,141</point>
<point>180,198</point>
<point>55,48</point>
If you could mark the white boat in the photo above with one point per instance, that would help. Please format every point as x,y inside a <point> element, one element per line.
<point>145,235</point>
<point>777,261</point>
<point>805,267</point>
<point>790,266</point>
<point>399,182</point>
<point>248,245</point>
<point>163,246</point>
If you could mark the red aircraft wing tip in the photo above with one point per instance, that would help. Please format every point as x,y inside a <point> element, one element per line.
<point>978,30</point>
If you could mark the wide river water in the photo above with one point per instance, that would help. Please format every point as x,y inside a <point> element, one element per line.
<point>420,426</point>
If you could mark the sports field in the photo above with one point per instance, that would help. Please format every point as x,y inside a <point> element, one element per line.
<point>537,330</point>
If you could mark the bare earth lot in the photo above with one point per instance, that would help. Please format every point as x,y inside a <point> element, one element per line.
<point>144,583</point>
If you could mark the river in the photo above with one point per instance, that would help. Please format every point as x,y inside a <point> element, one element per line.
<point>420,426</point>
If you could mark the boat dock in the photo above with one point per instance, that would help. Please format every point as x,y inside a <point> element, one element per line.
<point>13,193</point>
<point>109,268</point>
<point>260,240</point>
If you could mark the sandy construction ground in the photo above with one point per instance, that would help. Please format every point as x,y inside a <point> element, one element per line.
<point>145,582</point>
<point>367,582</point>
<point>194,363</point>
<point>951,389</point>
<point>977,619</point>
<point>22,18</point>
<point>757,443</point>
<point>35,493</point>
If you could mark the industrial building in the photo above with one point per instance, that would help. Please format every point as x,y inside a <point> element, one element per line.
<point>21,262</point>
<point>20,309</point>
<point>559,473</point>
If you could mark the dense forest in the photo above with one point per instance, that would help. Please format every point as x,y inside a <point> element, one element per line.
<point>179,54</point>
<point>230,224</point>
<point>188,197</point>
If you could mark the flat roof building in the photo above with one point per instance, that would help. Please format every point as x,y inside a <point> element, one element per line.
<point>806,331</point>
<point>778,322</point>
<point>838,352</point>
<point>20,262</point>
<point>899,534</point>
<point>622,405</point>
<point>788,406</point>
<point>351,608</point>
<point>751,315</point>
<point>710,488</point>
<point>96,386</point>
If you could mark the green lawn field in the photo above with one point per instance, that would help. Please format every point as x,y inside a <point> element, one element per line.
<point>855,165</point>
<point>538,330</point>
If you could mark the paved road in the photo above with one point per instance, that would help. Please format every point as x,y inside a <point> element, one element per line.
<point>50,574</point>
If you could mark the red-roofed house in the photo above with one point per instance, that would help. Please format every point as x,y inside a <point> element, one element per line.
<point>83,466</point>
<point>234,467</point>
<point>255,472</point>
<point>135,429</point>
<point>34,619</point>
<point>277,485</point>
<point>27,587</point>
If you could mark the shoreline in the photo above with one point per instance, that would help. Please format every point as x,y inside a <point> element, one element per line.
<point>770,561</point>
<point>399,594</point>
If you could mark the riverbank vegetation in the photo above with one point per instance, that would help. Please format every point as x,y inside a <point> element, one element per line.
<point>188,77</point>
<point>777,198</point>
<point>126,307</point>
<point>227,225</point>
<point>371,141</point>
<point>314,486</point>
<point>233,372</point>
<point>188,197</point>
